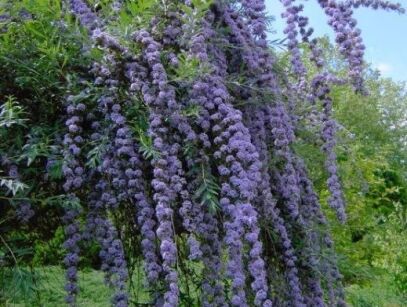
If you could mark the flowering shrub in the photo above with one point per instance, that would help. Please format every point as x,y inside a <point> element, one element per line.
<point>178,138</point>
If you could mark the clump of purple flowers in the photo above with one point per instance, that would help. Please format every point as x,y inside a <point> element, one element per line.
<point>203,169</point>
<point>24,212</point>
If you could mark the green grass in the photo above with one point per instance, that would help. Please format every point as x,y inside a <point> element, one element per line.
<point>380,293</point>
<point>48,290</point>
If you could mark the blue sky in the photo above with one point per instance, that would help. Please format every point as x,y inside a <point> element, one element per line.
<point>384,34</point>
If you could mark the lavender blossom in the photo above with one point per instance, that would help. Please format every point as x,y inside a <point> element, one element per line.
<point>24,212</point>
<point>212,288</point>
<point>266,202</point>
<point>73,174</point>
<point>236,153</point>
<point>292,19</point>
<point>113,261</point>
<point>377,4</point>
<point>163,195</point>
<point>242,135</point>
<point>87,18</point>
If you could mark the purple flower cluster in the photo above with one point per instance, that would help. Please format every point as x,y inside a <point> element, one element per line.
<point>239,172</point>
<point>164,196</point>
<point>212,288</point>
<point>74,174</point>
<point>117,5</point>
<point>173,30</point>
<point>111,253</point>
<point>310,206</point>
<point>336,199</point>
<point>145,217</point>
<point>71,260</point>
<point>241,35</point>
<point>113,261</point>
<point>329,126</point>
<point>336,295</point>
<point>267,204</point>
<point>255,11</point>
<point>72,169</point>
<point>293,21</point>
<point>87,18</point>
<point>241,135</point>
<point>377,4</point>
<point>24,212</point>
<point>347,37</point>
<point>121,164</point>
<point>113,166</point>
<point>312,214</point>
<point>166,97</point>
<point>283,136</point>
<point>13,171</point>
<point>293,272</point>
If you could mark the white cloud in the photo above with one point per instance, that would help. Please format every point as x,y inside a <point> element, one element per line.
<point>384,68</point>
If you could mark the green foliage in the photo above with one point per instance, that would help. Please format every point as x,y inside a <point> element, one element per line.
<point>373,176</point>
<point>94,156</point>
<point>55,170</point>
<point>192,16</point>
<point>13,185</point>
<point>375,237</point>
<point>139,11</point>
<point>187,69</point>
<point>207,193</point>
<point>39,143</point>
<point>46,51</point>
<point>371,152</point>
<point>11,113</point>
<point>146,146</point>
<point>45,287</point>
<point>50,252</point>
<point>17,284</point>
<point>191,110</point>
<point>38,47</point>
<point>379,294</point>
<point>198,8</point>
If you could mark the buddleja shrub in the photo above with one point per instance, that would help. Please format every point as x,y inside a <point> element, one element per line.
<point>175,146</point>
